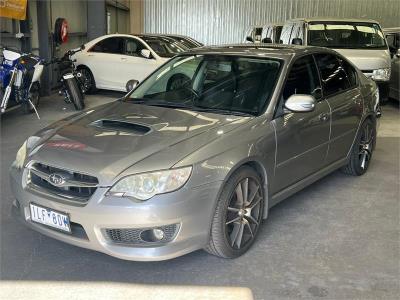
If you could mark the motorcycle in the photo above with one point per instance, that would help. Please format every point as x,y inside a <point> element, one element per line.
<point>73,84</point>
<point>20,80</point>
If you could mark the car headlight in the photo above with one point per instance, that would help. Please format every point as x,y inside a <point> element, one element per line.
<point>381,74</point>
<point>144,186</point>
<point>23,151</point>
<point>20,157</point>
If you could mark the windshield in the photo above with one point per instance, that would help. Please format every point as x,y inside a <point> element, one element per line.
<point>166,47</point>
<point>346,35</point>
<point>216,83</point>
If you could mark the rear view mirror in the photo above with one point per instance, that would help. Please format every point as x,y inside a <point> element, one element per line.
<point>300,103</point>
<point>131,84</point>
<point>145,53</point>
<point>267,40</point>
<point>249,39</point>
<point>297,41</point>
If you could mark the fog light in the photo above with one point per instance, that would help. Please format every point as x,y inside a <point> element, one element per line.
<point>158,234</point>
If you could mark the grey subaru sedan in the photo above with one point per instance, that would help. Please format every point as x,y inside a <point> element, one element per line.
<point>195,155</point>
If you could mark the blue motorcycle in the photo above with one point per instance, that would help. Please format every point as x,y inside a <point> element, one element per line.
<point>20,80</point>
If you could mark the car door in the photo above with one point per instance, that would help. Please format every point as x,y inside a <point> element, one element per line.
<point>301,138</point>
<point>340,90</point>
<point>134,64</point>
<point>103,59</point>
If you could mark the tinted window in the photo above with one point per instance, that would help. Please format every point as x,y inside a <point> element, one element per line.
<point>165,46</point>
<point>278,30</point>
<point>133,47</point>
<point>303,79</point>
<point>334,78</point>
<point>350,72</point>
<point>212,82</point>
<point>110,45</point>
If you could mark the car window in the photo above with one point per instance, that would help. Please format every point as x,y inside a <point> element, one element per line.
<point>297,32</point>
<point>334,79</point>
<point>278,30</point>
<point>350,72</point>
<point>213,82</point>
<point>303,78</point>
<point>113,45</point>
<point>350,35</point>
<point>286,32</point>
<point>133,47</point>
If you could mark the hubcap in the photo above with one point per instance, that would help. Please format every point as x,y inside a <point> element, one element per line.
<point>87,80</point>
<point>365,147</point>
<point>244,213</point>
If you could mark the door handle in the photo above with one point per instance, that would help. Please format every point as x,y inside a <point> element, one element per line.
<point>323,117</point>
<point>124,58</point>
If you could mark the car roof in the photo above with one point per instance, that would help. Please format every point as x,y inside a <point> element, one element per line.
<point>259,50</point>
<point>332,19</point>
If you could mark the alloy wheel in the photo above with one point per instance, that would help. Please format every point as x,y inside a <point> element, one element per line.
<point>244,213</point>
<point>366,146</point>
<point>87,79</point>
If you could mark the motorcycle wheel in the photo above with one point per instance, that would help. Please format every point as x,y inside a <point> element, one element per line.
<point>75,93</point>
<point>34,96</point>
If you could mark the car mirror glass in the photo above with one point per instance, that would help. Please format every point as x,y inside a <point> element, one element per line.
<point>131,84</point>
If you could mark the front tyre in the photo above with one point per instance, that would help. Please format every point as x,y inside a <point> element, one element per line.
<point>361,153</point>
<point>75,94</point>
<point>238,215</point>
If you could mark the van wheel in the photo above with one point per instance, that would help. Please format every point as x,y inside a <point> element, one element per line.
<point>238,215</point>
<point>361,153</point>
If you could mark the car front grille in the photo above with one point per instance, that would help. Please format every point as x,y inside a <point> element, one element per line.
<point>66,184</point>
<point>131,236</point>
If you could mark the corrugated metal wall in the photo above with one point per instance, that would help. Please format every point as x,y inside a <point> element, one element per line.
<point>225,21</point>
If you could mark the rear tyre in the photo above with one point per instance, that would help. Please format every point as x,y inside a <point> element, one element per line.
<point>75,93</point>
<point>362,150</point>
<point>34,97</point>
<point>238,215</point>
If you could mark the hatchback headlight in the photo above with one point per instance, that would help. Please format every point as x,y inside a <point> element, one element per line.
<point>144,186</point>
<point>381,74</point>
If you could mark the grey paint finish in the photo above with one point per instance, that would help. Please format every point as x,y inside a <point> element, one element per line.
<point>225,21</point>
<point>337,238</point>
<point>289,151</point>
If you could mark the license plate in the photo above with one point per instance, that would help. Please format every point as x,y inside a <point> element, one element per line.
<point>50,217</point>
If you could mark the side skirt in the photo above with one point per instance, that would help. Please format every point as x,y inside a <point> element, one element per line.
<point>298,186</point>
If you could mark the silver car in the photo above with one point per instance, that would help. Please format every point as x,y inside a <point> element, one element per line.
<point>195,155</point>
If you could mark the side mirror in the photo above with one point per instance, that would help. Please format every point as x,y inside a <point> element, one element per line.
<point>82,47</point>
<point>267,40</point>
<point>297,41</point>
<point>300,103</point>
<point>398,53</point>
<point>145,53</point>
<point>131,84</point>
<point>249,39</point>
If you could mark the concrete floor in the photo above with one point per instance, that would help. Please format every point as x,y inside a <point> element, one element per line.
<point>337,239</point>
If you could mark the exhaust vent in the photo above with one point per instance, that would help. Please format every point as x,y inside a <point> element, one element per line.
<point>122,126</point>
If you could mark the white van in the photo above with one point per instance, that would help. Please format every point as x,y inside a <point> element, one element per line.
<point>267,33</point>
<point>359,40</point>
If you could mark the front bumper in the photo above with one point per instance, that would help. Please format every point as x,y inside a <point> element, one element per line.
<point>192,209</point>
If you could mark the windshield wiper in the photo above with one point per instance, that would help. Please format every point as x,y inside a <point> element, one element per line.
<point>223,111</point>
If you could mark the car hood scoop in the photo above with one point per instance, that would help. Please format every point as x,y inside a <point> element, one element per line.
<point>122,125</point>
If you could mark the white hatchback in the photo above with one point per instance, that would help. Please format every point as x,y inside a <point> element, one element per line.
<point>110,61</point>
